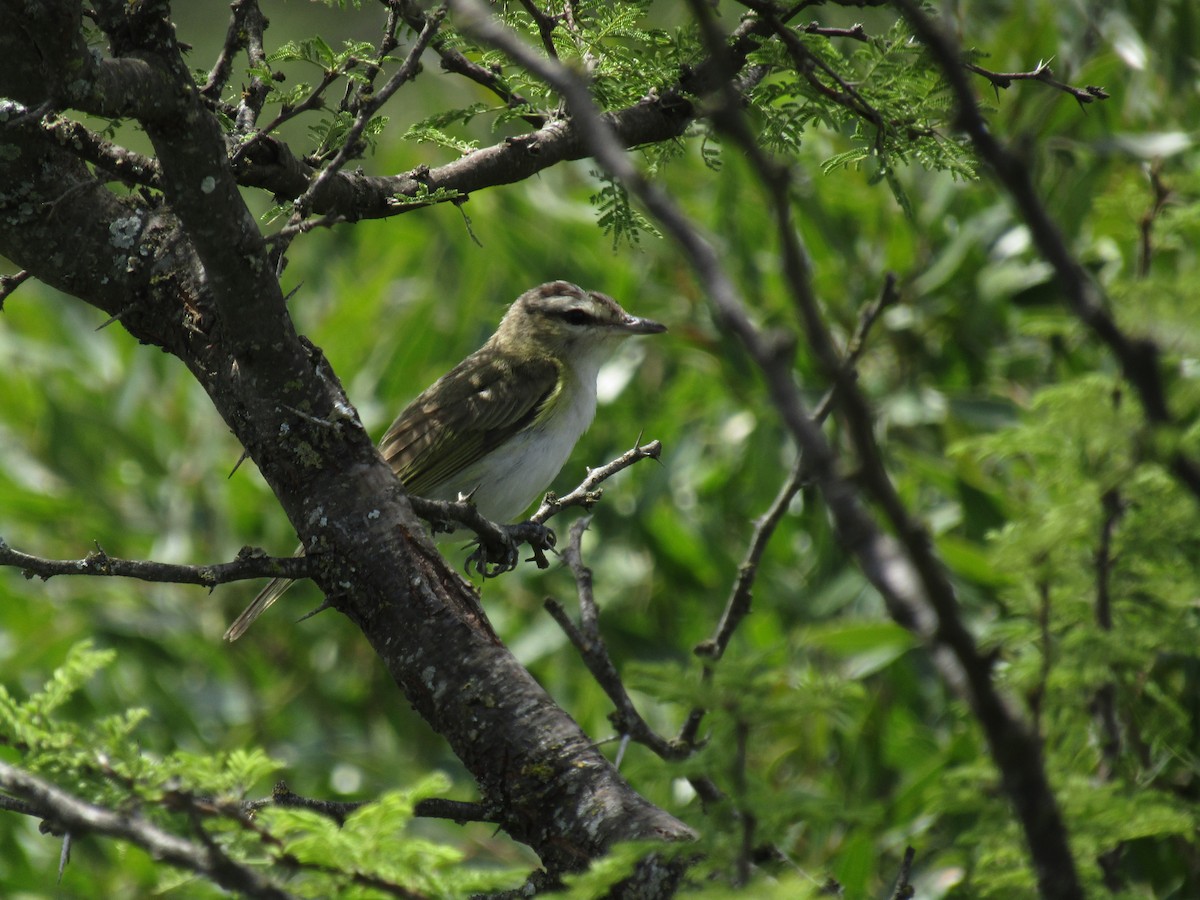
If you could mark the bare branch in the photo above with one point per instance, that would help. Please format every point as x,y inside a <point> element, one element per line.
<point>283,796</point>
<point>587,494</point>
<point>1104,702</point>
<point>738,605</point>
<point>1044,74</point>
<point>904,889</point>
<point>246,27</point>
<point>1161,195</point>
<point>587,639</point>
<point>545,26</point>
<point>249,563</point>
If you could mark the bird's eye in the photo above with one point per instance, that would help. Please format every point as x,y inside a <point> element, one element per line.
<point>576,317</point>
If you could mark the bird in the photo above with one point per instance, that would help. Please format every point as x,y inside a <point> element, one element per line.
<point>499,426</point>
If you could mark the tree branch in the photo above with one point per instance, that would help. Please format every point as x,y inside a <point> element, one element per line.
<point>9,283</point>
<point>454,61</point>
<point>1042,73</point>
<point>193,276</point>
<point>80,817</point>
<point>269,163</point>
<point>249,563</point>
<point>915,587</point>
<point>1137,356</point>
<point>586,495</point>
<point>588,640</point>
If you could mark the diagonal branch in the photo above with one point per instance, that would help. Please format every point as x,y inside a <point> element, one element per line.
<point>270,164</point>
<point>907,574</point>
<point>587,493</point>
<point>454,61</point>
<point>588,640</point>
<point>1137,356</point>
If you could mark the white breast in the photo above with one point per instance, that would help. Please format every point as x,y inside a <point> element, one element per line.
<point>515,474</point>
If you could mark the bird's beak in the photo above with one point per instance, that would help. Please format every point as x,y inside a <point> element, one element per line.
<point>637,325</point>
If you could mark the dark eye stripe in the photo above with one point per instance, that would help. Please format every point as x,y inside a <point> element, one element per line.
<point>577,317</point>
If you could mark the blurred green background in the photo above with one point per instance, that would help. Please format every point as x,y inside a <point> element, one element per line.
<point>106,442</point>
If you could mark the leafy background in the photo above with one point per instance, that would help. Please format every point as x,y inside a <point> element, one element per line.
<point>1002,421</point>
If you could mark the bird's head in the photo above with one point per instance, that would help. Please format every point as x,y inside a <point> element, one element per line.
<point>563,321</point>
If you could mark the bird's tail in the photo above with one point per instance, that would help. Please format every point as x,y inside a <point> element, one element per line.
<point>268,595</point>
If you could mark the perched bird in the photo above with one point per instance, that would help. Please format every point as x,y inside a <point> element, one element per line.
<point>498,426</point>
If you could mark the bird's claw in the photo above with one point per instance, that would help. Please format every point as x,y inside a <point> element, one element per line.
<point>493,558</point>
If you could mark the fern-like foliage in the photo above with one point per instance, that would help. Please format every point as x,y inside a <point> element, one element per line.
<point>200,797</point>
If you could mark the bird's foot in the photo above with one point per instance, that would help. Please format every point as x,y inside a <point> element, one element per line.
<point>499,551</point>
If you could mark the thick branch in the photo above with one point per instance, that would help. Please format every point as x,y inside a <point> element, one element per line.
<point>270,164</point>
<point>193,277</point>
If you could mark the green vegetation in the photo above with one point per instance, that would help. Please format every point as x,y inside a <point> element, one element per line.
<point>832,733</point>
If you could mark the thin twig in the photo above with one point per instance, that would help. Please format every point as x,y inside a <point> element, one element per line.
<point>587,639</point>
<point>746,817</point>
<point>587,493</point>
<point>545,26</point>
<point>455,62</point>
<point>350,144</point>
<point>1160,196</point>
<point>314,100</point>
<point>1043,74</point>
<point>855,32</point>
<point>738,605</point>
<point>283,796</point>
<point>387,43</point>
<point>249,563</point>
<point>245,32</point>
<point>1104,703</point>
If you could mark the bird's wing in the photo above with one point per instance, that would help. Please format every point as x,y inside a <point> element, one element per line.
<point>430,440</point>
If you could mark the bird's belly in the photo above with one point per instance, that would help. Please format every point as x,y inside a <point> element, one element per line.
<point>513,475</point>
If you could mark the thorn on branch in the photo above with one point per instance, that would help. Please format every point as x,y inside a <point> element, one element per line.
<point>1043,73</point>
<point>588,493</point>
